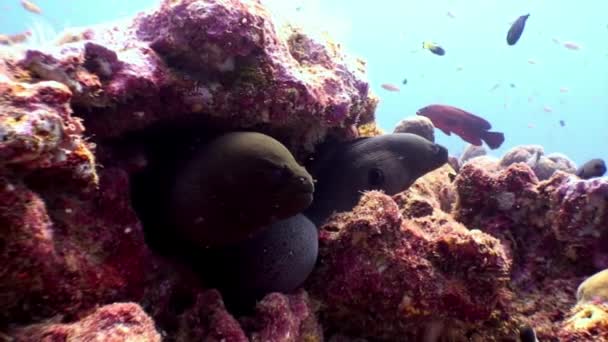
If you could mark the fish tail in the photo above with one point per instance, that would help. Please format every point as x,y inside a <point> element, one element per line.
<point>493,139</point>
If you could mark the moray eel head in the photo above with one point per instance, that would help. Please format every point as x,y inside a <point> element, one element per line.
<point>390,163</point>
<point>235,186</point>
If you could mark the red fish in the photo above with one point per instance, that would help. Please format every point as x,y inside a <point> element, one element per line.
<point>469,127</point>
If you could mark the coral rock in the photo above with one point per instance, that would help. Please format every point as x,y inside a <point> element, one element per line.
<point>587,322</point>
<point>113,323</point>
<point>418,125</point>
<point>382,276</point>
<point>163,66</point>
<point>67,252</point>
<point>288,318</point>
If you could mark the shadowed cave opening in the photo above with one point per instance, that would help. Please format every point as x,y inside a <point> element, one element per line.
<point>165,147</point>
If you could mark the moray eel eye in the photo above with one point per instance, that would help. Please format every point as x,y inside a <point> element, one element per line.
<point>375,177</point>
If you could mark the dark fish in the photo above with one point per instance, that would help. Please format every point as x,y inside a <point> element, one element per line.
<point>562,123</point>
<point>434,48</point>
<point>390,162</point>
<point>512,85</point>
<point>517,29</point>
<point>591,169</point>
<point>234,186</point>
<point>404,82</point>
<point>527,334</point>
<point>469,127</point>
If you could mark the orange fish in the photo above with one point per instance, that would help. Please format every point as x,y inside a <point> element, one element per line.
<point>31,7</point>
<point>467,126</point>
<point>390,87</point>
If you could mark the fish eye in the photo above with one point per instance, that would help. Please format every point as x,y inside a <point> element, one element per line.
<point>375,177</point>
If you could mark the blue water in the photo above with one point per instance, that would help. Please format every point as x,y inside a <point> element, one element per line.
<point>389,33</point>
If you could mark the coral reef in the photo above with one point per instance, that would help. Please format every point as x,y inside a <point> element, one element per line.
<point>418,125</point>
<point>556,231</point>
<point>473,256</point>
<point>162,66</point>
<point>112,323</point>
<point>543,166</point>
<point>384,275</point>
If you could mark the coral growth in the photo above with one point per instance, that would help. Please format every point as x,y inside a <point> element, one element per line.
<point>384,275</point>
<point>504,243</point>
<point>112,323</point>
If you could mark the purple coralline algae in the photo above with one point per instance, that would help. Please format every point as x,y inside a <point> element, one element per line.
<point>472,256</point>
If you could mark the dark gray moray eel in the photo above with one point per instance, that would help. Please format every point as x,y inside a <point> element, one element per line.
<point>234,186</point>
<point>277,259</point>
<point>390,162</point>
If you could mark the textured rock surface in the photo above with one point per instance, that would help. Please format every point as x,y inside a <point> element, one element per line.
<point>434,261</point>
<point>182,61</point>
<point>382,275</point>
<point>419,125</point>
<point>556,231</point>
<point>70,239</point>
<point>112,323</point>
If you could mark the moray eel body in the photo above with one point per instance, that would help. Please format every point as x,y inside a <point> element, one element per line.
<point>390,162</point>
<point>277,259</point>
<point>235,186</point>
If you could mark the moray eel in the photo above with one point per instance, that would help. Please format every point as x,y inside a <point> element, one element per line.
<point>235,186</point>
<point>277,259</point>
<point>594,288</point>
<point>390,162</point>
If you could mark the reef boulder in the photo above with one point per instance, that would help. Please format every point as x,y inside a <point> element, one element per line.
<point>385,275</point>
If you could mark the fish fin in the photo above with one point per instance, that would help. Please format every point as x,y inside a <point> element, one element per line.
<point>471,139</point>
<point>493,139</point>
<point>445,131</point>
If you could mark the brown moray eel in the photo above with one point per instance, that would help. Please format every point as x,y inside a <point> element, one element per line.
<point>235,186</point>
<point>390,162</point>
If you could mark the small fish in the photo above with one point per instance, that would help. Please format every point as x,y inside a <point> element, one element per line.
<point>531,61</point>
<point>459,68</point>
<point>591,169</point>
<point>450,14</point>
<point>390,87</point>
<point>555,40</point>
<point>571,46</point>
<point>404,82</point>
<point>530,99</point>
<point>31,7</point>
<point>562,123</point>
<point>512,85</point>
<point>531,126</point>
<point>563,90</point>
<point>469,127</point>
<point>527,334</point>
<point>516,29</point>
<point>496,86</point>
<point>434,48</point>
<point>547,109</point>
